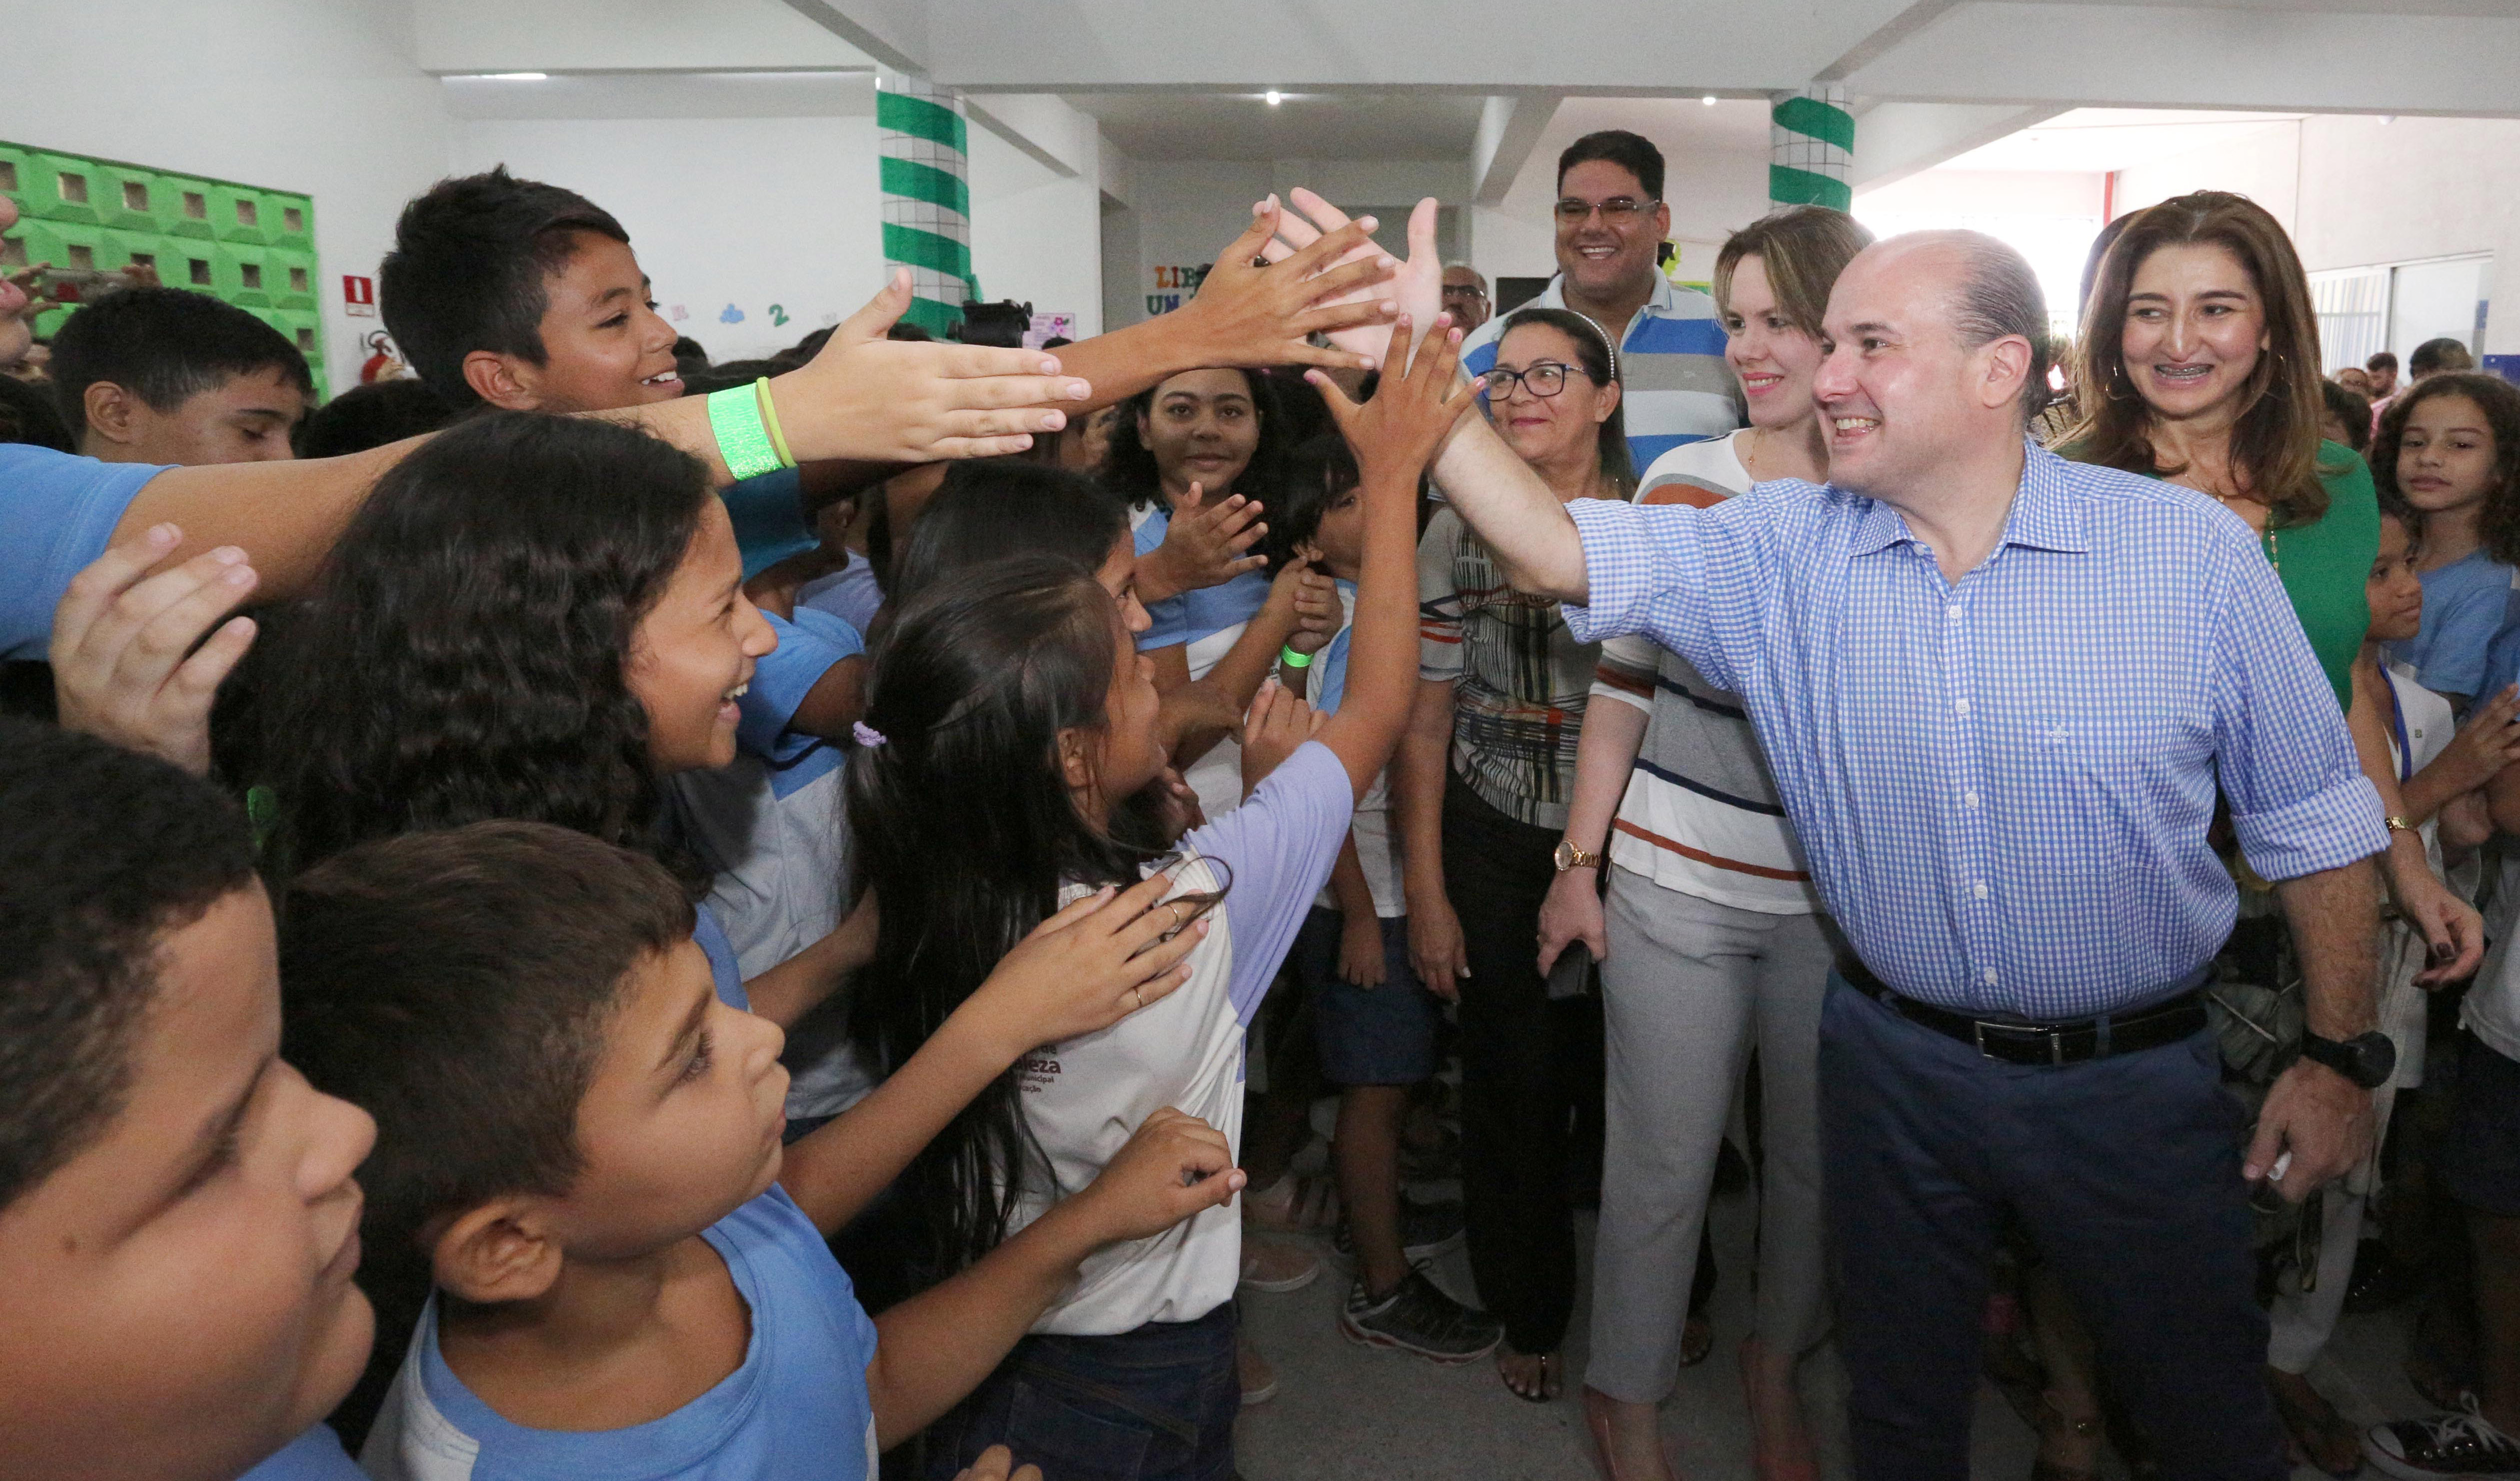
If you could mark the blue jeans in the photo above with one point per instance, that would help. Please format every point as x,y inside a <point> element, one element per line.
<point>1156,1404</point>
<point>2127,1171</point>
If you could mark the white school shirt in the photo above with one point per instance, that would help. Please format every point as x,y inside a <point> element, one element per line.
<point>1084,1097</point>
<point>2429,729</point>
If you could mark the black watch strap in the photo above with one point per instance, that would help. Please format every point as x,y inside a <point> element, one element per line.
<point>2367,1059</point>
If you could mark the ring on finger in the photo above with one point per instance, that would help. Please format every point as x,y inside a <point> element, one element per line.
<point>1137,1000</point>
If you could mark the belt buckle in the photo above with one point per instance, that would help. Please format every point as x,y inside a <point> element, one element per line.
<point>2055,1038</point>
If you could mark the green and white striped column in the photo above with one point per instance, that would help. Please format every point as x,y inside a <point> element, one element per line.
<point>1811,148</point>
<point>926,205</point>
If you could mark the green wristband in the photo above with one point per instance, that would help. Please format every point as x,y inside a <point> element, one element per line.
<point>735,417</point>
<point>1293,659</point>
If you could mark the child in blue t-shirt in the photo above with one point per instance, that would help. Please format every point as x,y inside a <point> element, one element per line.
<point>2449,453</point>
<point>579,1148</point>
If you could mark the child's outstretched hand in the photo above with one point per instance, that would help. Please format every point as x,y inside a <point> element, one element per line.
<point>993,1465</point>
<point>1204,545</point>
<point>129,662</point>
<point>1174,1167</point>
<point>1090,966</point>
<point>1279,722</point>
<point>879,400</point>
<point>1396,434</point>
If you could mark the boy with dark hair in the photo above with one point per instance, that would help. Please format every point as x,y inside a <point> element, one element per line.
<point>165,376</point>
<point>523,295</point>
<point>580,1148</point>
<point>177,1216</point>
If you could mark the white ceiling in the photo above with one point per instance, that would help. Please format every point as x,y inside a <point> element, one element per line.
<point>1398,125</point>
<point>2099,140</point>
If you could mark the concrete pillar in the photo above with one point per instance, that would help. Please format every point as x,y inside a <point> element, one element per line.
<point>1811,148</point>
<point>926,200</point>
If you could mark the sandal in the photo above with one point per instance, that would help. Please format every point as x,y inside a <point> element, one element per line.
<point>2314,1431</point>
<point>2055,1424</point>
<point>1294,1205</point>
<point>1552,1382</point>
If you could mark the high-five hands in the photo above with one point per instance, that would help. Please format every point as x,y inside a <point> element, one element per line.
<point>1255,312</point>
<point>1417,288</point>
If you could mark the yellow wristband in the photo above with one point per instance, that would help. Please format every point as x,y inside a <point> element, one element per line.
<point>770,420</point>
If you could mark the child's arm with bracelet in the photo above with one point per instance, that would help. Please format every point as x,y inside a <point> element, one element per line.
<point>1080,971</point>
<point>934,1348</point>
<point>1395,435</point>
<point>864,397</point>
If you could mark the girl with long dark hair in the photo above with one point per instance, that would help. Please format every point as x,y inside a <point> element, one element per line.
<point>1011,712</point>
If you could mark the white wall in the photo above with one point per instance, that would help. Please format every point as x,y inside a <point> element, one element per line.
<point>319,96</point>
<point>1036,234</point>
<point>2355,191</point>
<point>725,213</point>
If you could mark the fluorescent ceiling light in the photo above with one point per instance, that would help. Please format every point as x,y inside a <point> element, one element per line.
<point>508,76</point>
<point>1275,97</point>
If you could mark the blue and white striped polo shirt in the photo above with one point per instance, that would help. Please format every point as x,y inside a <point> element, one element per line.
<point>1670,364</point>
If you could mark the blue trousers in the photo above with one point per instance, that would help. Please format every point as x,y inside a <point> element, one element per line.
<point>1156,1404</point>
<point>2126,1170</point>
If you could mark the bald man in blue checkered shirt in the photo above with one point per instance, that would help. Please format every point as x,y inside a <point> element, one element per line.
<point>2000,693</point>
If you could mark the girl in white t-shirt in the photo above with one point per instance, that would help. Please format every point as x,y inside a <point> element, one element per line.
<point>1010,712</point>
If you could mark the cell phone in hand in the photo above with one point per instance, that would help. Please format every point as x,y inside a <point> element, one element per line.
<point>1572,974</point>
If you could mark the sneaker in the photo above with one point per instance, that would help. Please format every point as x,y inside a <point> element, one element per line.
<point>1418,1317</point>
<point>1426,1231</point>
<point>2460,1445</point>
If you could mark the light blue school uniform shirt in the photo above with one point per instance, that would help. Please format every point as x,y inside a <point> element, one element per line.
<point>797,1405</point>
<point>850,594</point>
<point>2003,785</point>
<point>769,517</point>
<point>1674,384</point>
<point>56,514</point>
<point>2465,604</point>
<point>315,1455</point>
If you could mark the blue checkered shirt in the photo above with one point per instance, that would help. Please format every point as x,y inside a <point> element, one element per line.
<point>2003,785</point>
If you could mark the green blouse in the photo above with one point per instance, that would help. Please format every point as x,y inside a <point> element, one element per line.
<point>2325,566</point>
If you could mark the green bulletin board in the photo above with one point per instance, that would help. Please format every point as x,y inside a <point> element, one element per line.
<point>251,246</point>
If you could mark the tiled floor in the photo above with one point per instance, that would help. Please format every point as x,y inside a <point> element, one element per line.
<point>1345,1410</point>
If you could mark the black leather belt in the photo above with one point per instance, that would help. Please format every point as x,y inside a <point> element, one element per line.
<point>2149,1027</point>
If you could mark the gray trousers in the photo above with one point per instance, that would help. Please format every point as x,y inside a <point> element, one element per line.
<point>1687,988</point>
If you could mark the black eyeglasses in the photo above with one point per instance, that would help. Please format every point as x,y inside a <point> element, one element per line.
<point>1545,379</point>
<point>1465,291</point>
<point>1618,210</point>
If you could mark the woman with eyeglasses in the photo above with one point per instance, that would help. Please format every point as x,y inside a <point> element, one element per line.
<point>1483,783</point>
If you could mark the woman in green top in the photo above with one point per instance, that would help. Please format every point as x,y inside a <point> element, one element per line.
<point>2200,364</point>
